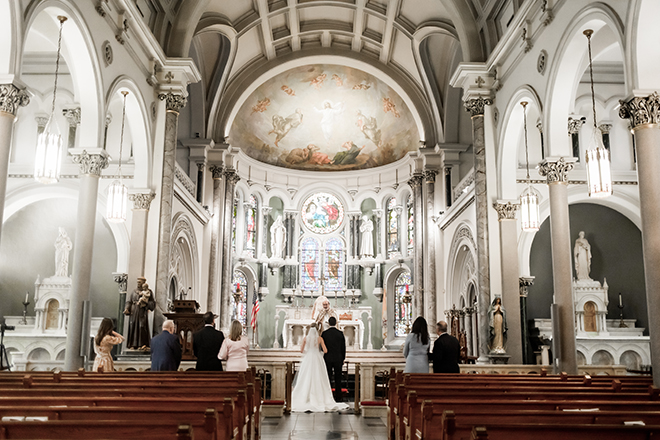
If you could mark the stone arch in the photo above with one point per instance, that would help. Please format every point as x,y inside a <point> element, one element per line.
<point>39,354</point>
<point>581,359</point>
<point>602,357</point>
<point>461,268</point>
<point>184,258</point>
<point>251,277</point>
<point>631,359</point>
<point>642,52</point>
<point>389,282</point>
<point>11,33</point>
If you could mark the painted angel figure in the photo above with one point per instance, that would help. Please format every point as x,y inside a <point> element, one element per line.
<point>330,111</point>
<point>369,127</point>
<point>282,126</point>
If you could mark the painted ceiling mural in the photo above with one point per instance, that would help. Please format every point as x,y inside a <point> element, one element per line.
<point>325,118</point>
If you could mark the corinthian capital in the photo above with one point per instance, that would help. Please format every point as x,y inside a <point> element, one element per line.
<point>173,103</point>
<point>429,175</point>
<point>506,210</point>
<point>91,164</point>
<point>476,105</point>
<point>416,180</point>
<point>11,97</point>
<point>641,111</point>
<point>231,177</point>
<point>141,200</point>
<point>72,115</point>
<point>556,170</point>
<point>216,171</point>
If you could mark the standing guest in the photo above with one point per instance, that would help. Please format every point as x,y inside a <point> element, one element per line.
<point>416,348</point>
<point>105,338</point>
<point>206,345</point>
<point>446,351</point>
<point>166,349</point>
<point>334,355</point>
<point>235,349</point>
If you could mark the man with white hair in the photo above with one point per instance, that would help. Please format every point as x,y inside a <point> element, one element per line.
<point>166,349</point>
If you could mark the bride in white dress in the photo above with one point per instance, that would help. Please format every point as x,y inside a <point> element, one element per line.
<point>311,387</point>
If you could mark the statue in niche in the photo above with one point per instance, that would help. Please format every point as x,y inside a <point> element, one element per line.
<point>138,305</point>
<point>277,238</point>
<point>590,317</point>
<point>52,312</point>
<point>367,244</point>
<point>497,326</point>
<point>63,246</point>
<point>582,257</point>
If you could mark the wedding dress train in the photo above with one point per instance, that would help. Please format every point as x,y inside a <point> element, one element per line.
<point>311,387</point>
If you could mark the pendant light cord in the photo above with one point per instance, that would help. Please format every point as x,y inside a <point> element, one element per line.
<point>524,104</point>
<point>62,19</point>
<point>121,137</point>
<point>588,34</point>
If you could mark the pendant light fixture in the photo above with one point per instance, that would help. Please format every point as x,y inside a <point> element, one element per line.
<point>599,176</point>
<point>48,156</point>
<point>117,192</point>
<point>529,199</point>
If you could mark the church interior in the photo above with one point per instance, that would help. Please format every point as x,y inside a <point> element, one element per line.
<point>457,160</point>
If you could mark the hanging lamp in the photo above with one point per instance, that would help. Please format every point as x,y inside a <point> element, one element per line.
<point>599,176</point>
<point>529,199</point>
<point>117,192</point>
<point>48,156</point>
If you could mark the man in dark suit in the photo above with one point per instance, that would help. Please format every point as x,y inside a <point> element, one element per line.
<point>206,345</point>
<point>446,351</point>
<point>166,349</point>
<point>334,358</point>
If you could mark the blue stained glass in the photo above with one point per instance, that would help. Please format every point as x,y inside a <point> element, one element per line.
<point>310,264</point>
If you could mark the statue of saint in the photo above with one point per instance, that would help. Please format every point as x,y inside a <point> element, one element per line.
<point>582,257</point>
<point>277,238</point>
<point>367,244</point>
<point>138,305</point>
<point>497,326</point>
<point>62,248</point>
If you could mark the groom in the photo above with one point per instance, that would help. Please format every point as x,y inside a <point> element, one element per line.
<point>334,358</point>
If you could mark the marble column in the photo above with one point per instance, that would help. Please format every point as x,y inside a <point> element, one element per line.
<point>11,98</point>
<point>506,214</point>
<point>429,239</point>
<point>524,283</point>
<point>231,179</point>
<point>290,274</point>
<point>353,271</point>
<point>83,246</point>
<point>556,172</point>
<point>201,167</point>
<point>415,183</point>
<point>215,250</point>
<point>378,251</point>
<point>141,203</point>
<point>476,108</point>
<point>644,116</point>
<point>173,104</point>
<point>262,250</point>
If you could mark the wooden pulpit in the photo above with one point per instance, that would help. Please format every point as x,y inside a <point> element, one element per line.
<point>187,322</point>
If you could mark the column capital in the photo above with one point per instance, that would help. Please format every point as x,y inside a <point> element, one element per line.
<point>641,110</point>
<point>416,180</point>
<point>556,169</point>
<point>524,283</point>
<point>122,280</point>
<point>72,115</point>
<point>11,97</point>
<point>506,209</point>
<point>476,106</point>
<point>142,200</point>
<point>173,102</point>
<point>217,171</point>
<point>429,175</point>
<point>605,128</point>
<point>231,176</point>
<point>265,210</point>
<point>90,164</point>
<point>378,212</point>
<point>574,124</point>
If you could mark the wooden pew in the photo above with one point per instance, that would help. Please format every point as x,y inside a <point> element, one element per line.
<point>563,432</point>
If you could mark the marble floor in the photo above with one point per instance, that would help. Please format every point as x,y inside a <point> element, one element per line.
<point>323,426</point>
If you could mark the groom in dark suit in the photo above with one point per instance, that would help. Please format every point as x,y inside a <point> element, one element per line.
<point>206,345</point>
<point>334,358</point>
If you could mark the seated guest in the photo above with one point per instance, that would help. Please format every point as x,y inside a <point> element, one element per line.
<point>206,345</point>
<point>446,351</point>
<point>166,349</point>
<point>235,349</point>
<point>105,338</point>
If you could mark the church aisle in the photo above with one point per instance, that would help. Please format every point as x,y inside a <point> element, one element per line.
<point>335,426</point>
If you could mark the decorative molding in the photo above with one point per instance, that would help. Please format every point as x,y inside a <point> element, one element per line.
<point>556,170</point>
<point>574,125</point>
<point>462,185</point>
<point>91,164</point>
<point>576,182</point>
<point>542,62</point>
<point>142,200</point>
<point>185,180</point>
<point>506,210</point>
<point>641,110</point>
<point>11,97</point>
<point>476,105</point>
<point>108,55</point>
<point>173,102</point>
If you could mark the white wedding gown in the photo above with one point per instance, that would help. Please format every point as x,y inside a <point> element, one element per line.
<point>311,387</point>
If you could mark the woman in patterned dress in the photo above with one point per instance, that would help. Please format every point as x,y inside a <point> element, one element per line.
<point>105,338</point>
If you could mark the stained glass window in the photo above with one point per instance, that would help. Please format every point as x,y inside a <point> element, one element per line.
<point>310,267</point>
<point>392,228</point>
<point>239,284</point>
<point>251,225</point>
<point>234,213</point>
<point>322,213</point>
<point>334,265</point>
<point>411,225</point>
<point>402,310</point>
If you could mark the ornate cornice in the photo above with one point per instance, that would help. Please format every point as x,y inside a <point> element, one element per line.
<point>216,171</point>
<point>574,125</point>
<point>416,180</point>
<point>231,177</point>
<point>555,171</point>
<point>429,175</point>
<point>476,105</point>
<point>641,110</point>
<point>506,210</point>
<point>91,164</point>
<point>173,103</point>
<point>11,97</point>
<point>72,115</point>
<point>142,200</point>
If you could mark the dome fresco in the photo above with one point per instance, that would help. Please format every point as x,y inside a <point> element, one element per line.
<point>325,118</point>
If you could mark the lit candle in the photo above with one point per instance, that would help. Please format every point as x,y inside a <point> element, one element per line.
<point>620,301</point>
<point>27,296</point>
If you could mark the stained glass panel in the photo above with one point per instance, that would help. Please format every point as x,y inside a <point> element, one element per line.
<point>309,264</point>
<point>411,225</point>
<point>322,213</point>
<point>402,311</point>
<point>251,225</point>
<point>334,265</point>
<point>233,226</point>
<point>239,283</point>
<point>392,228</point>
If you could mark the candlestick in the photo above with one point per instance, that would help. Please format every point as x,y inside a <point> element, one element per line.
<point>26,303</point>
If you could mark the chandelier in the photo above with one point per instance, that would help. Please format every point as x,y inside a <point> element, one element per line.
<point>529,199</point>
<point>117,192</point>
<point>599,177</point>
<point>47,160</point>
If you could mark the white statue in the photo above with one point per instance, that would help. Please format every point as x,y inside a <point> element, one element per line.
<point>277,238</point>
<point>582,256</point>
<point>62,248</point>
<point>367,245</point>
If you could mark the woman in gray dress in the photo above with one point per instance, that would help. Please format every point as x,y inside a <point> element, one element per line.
<point>416,348</point>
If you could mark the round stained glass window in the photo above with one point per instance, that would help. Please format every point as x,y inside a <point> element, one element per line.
<point>322,213</point>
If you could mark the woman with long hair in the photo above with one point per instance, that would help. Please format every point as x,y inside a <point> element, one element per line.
<point>416,348</point>
<point>235,349</point>
<point>105,338</point>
